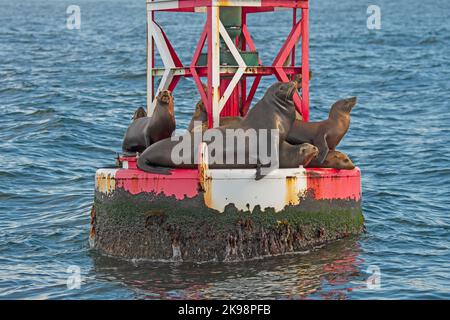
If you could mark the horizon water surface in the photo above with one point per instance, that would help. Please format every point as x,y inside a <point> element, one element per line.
<point>67,96</point>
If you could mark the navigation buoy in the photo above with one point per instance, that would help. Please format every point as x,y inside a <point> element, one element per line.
<point>206,214</point>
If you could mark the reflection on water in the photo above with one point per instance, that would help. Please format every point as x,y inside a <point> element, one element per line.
<point>330,272</point>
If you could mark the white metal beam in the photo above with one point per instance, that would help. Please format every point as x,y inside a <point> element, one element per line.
<point>240,71</point>
<point>167,60</point>
<point>215,38</point>
<point>149,61</point>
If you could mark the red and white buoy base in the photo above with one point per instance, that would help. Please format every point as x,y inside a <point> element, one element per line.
<point>222,215</point>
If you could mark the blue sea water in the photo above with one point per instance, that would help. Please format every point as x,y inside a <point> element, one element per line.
<point>66,98</point>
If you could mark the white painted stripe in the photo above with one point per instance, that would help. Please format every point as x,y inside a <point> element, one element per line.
<point>215,35</point>
<point>233,174</point>
<point>149,62</point>
<point>168,62</point>
<point>239,187</point>
<point>162,4</point>
<point>242,66</point>
<point>106,172</point>
<point>242,3</point>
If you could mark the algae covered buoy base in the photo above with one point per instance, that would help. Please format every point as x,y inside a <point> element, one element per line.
<point>232,217</point>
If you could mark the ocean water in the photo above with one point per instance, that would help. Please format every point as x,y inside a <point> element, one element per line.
<point>67,96</point>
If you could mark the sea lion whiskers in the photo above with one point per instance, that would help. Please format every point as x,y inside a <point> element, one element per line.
<point>292,88</point>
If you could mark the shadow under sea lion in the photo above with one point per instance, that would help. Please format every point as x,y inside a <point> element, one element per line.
<point>275,111</point>
<point>144,131</point>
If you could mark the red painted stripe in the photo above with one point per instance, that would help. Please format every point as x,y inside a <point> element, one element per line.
<point>334,184</point>
<point>182,183</point>
<point>324,184</point>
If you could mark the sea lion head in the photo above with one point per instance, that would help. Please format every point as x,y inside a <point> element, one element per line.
<point>200,113</point>
<point>165,99</point>
<point>338,160</point>
<point>299,78</point>
<point>307,152</point>
<point>139,113</point>
<point>342,107</point>
<point>283,91</point>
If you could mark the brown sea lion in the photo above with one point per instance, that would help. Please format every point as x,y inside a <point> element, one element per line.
<point>335,159</point>
<point>293,156</point>
<point>139,113</point>
<point>275,110</point>
<point>326,134</point>
<point>201,116</point>
<point>144,131</point>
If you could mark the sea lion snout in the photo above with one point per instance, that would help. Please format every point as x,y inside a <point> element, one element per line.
<point>351,102</point>
<point>344,161</point>
<point>339,160</point>
<point>284,90</point>
<point>309,148</point>
<point>290,89</point>
<point>308,152</point>
<point>343,106</point>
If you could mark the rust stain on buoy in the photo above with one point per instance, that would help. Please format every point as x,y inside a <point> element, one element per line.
<point>105,183</point>
<point>291,197</point>
<point>92,229</point>
<point>206,185</point>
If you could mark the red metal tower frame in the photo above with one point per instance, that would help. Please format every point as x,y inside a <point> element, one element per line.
<point>224,96</point>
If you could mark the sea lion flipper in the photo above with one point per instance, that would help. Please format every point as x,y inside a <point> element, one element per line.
<point>322,145</point>
<point>259,175</point>
<point>157,170</point>
<point>141,164</point>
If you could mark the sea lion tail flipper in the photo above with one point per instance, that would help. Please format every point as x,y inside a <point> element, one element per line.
<point>141,164</point>
<point>322,145</point>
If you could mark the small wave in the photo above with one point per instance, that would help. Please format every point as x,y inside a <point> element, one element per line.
<point>43,112</point>
<point>429,40</point>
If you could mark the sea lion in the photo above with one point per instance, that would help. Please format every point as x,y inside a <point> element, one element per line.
<point>335,159</point>
<point>293,156</point>
<point>275,110</point>
<point>201,116</point>
<point>144,131</point>
<point>326,134</point>
<point>139,113</point>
